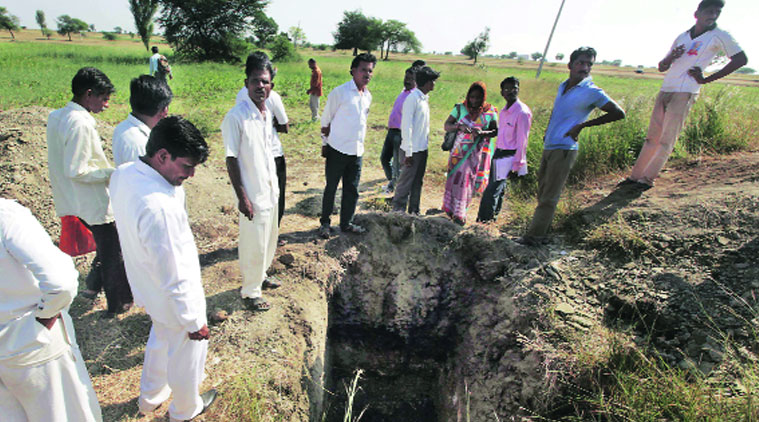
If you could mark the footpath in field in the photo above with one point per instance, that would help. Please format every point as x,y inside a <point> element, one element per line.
<point>443,320</point>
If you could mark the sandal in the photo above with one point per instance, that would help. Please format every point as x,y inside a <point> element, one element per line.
<point>256,304</point>
<point>353,228</point>
<point>271,282</point>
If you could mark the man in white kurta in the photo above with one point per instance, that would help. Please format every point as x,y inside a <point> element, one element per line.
<point>149,98</point>
<point>163,267</point>
<point>42,372</point>
<point>246,130</point>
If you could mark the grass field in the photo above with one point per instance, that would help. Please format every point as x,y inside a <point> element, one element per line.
<point>38,72</point>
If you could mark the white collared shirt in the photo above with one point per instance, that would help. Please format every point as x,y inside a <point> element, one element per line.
<point>129,140</point>
<point>247,137</point>
<point>415,122</point>
<point>277,107</point>
<point>159,250</point>
<point>38,281</point>
<point>154,63</point>
<point>79,171</point>
<point>346,113</point>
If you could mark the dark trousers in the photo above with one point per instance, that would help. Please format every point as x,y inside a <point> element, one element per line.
<point>390,157</point>
<point>347,168</point>
<point>409,187</point>
<point>282,179</point>
<point>492,199</point>
<point>112,277</point>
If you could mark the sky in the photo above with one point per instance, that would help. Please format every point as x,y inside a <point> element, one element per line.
<point>638,32</point>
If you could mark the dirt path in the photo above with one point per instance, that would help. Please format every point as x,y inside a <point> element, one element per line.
<point>689,243</point>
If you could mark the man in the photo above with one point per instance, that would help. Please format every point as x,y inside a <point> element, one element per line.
<point>163,266</point>
<point>79,175</point>
<point>343,131</point>
<point>42,372</point>
<point>577,97</point>
<point>154,60</point>
<point>247,132</point>
<point>149,99</point>
<point>281,125</point>
<point>415,131</point>
<point>315,90</point>
<point>692,51</point>
<point>390,156</point>
<point>510,157</point>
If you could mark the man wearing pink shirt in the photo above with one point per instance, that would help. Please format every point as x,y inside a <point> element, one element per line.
<point>510,157</point>
<point>390,156</point>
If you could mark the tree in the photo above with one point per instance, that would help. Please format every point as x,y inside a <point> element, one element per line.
<point>282,49</point>
<point>143,12</point>
<point>264,28</point>
<point>297,35</point>
<point>40,17</point>
<point>559,56</point>
<point>208,29</point>
<point>536,56</point>
<point>357,32</point>
<point>8,22</point>
<point>68,25</point>
<point>478,45</point>
<point>513,55</point>
<point>118,30</point>
<point>395,35</point>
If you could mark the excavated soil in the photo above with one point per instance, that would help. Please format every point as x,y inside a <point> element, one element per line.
<point>447,324</point>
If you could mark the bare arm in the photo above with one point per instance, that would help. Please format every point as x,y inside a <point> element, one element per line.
<point>736,62</point>
<point>613,113</point>
<point>244,205</point>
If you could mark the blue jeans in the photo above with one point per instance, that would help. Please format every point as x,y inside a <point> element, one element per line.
<point>390,157</point>
<point>347,168</point>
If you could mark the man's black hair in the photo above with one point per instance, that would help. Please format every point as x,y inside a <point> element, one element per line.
<point>149,95</point>
<point>582,51</point>
<point>510,80</point>
<point>179,137</point>
<point>708,3</point>
<point>363,57</point>
<point>419,63</point>
<point>412,70</point>
<point>154,49</point>
<point>425,74</point>
<point>258,60</point>
<point>91,78</point>
<point>311,61</point>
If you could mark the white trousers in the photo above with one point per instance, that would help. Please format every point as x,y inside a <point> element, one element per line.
<point>173,364</point>
<point>56,391</point>
<point>257,245</point>
<point>313,104</point>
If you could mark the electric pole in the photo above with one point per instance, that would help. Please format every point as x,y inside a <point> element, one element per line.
<point>548,44</point>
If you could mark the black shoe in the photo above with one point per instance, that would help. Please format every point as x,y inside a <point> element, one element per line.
<point>324,232</point>
<point>530,241</point>
<point>627,182</point>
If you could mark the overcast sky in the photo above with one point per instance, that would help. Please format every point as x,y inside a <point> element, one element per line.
<point>635,31</point>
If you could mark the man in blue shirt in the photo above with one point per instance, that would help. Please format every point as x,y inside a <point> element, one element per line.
<point>578,96</point>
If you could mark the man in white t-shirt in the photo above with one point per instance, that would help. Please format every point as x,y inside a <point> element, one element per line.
<point>691,52</point>
<point>149,98</point>
<point>246,131</point>
<point>154,60</point>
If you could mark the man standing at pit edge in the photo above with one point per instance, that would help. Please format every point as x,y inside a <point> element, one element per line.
<point>390,157</point>
<point>79,176</point>
<point>163,267</point>
<point>247,132</point>
<point>578,96</point>
<point>315,90</point>
<point>415,132</point>
<point>344,121</point>
<point>692,51</point>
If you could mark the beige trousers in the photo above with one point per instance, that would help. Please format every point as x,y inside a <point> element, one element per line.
<point>257,245</point>
<point>667,121</point>
<point>313,104</point>
<point>554,170</point>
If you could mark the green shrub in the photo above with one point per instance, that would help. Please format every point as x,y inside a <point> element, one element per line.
<point>282,50</point>
<point>110,36</point>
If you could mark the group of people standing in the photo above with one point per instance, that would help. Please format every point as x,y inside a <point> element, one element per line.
<point>146,251</point>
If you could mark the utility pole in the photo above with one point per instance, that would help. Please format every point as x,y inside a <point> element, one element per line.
<point>548,44</point>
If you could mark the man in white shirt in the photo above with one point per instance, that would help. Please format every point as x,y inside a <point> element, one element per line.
<point>247,132</point>
<point>691,52</point>
<point>415,132</point>
<point>154,60</point>
<point>344,121</point>
<point>42,372</point>
<point>149,99</point>
<point>163,267</point>
<point>79,176</point>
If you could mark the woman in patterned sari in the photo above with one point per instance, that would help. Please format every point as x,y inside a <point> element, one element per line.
<point>475,122</point>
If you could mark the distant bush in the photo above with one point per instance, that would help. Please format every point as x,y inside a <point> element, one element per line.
<point>321,47</point>
<point>110,36</point>
<point>283,50</point>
